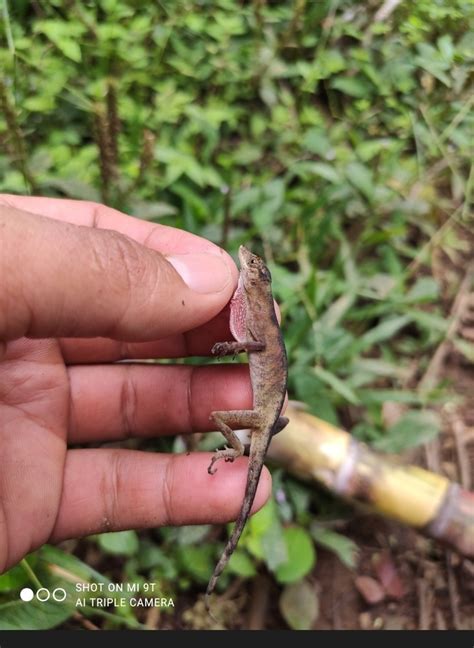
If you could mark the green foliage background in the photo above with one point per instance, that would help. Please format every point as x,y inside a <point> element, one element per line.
<point>338,144</point>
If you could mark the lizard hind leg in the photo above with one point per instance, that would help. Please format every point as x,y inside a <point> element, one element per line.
<point>223,420</point>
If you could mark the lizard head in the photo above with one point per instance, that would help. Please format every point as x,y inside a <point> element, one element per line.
<point>254,272</point>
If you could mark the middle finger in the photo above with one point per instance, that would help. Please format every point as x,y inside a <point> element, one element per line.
<point>114,402</point>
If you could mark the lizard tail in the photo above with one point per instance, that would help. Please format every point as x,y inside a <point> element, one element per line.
<point>258,447</point>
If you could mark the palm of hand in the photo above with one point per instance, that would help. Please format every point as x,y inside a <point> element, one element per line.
<point>34,413</point>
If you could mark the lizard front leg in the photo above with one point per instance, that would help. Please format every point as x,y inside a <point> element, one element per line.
<point>241,419</point>
<point>233,348</point>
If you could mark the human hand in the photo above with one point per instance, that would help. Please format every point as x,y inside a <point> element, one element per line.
<point>83,286</point>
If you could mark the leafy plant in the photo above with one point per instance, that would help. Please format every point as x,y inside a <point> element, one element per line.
<point>338,144</point>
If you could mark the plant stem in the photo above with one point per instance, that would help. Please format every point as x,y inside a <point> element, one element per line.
<point>8,28</point>
<point>33,577</point>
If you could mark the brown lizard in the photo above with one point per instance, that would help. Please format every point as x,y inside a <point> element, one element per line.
<point>254,325</point>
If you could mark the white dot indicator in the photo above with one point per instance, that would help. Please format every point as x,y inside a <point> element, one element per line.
<point>26,594</point>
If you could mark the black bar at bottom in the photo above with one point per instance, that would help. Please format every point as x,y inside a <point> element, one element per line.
<point>157,639</point>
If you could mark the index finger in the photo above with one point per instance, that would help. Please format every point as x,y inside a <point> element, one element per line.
<point>95,272</point>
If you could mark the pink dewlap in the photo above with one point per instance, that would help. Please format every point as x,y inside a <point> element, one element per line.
<point>237,314</point>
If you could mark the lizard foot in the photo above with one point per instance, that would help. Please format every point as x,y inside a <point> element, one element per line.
<point>229,454</point>
<point>221,349</point>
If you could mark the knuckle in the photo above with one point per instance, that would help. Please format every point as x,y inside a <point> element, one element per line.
<point>190,399</point>
<point>14,310</point>
<point>167,493</point>
<point>95,209</point>
<point>110,492</point>
<point>129,265</point>
<point>128,402</point>
<point>120,265</point>
<point>112,250</point>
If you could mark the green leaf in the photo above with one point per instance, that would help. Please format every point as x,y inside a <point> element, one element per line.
<point>264,537</point>
<point>265,212</point>
<point>63,35</point>
<point>198,561</point>
<point>377,368</point>
<point>317,141</point>
<point>120,543</point>
<point>381,396</point>
<point>425,289</point>
<point>446,47</point>
<point>299,605</point>
<point>378,286</point>
<point>69,48</point>
<point>414,428</point>
<point>312,391</point>
<point>13,579</point>
<point>245,199</point>
<point>39,103</point>
<point>73,188</point>
<point>384,331</point>
<point>352,86</point>
<point>299,496</point>
<point>337,384</point>
<point>56,568</point>
<point>246,154</point>
<point>241,564</point>
<point>361,177</point>
<point>70,563</point>
<point>153,210</point>
<point>431,61</point>
<point>465,348</point>
<point>344,548</point>
<point>323,170</point>
<point>430,321</point>
<point>192,534</point>
<point>336,311</point>
<point>301,555</point>
<point>33,615</point>
<point>151,556</point>
<point>366,150</point>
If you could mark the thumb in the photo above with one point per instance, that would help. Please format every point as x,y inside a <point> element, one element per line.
<point>60,279</point>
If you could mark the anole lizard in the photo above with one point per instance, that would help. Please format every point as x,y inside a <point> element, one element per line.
<point>254,325</point>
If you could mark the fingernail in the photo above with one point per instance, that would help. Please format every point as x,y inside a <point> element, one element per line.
<point>203,273</point>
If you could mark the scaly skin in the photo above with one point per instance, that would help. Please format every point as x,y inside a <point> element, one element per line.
<point>256,330</point>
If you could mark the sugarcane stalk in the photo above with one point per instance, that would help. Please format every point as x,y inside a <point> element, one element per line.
<point>316,451</point>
